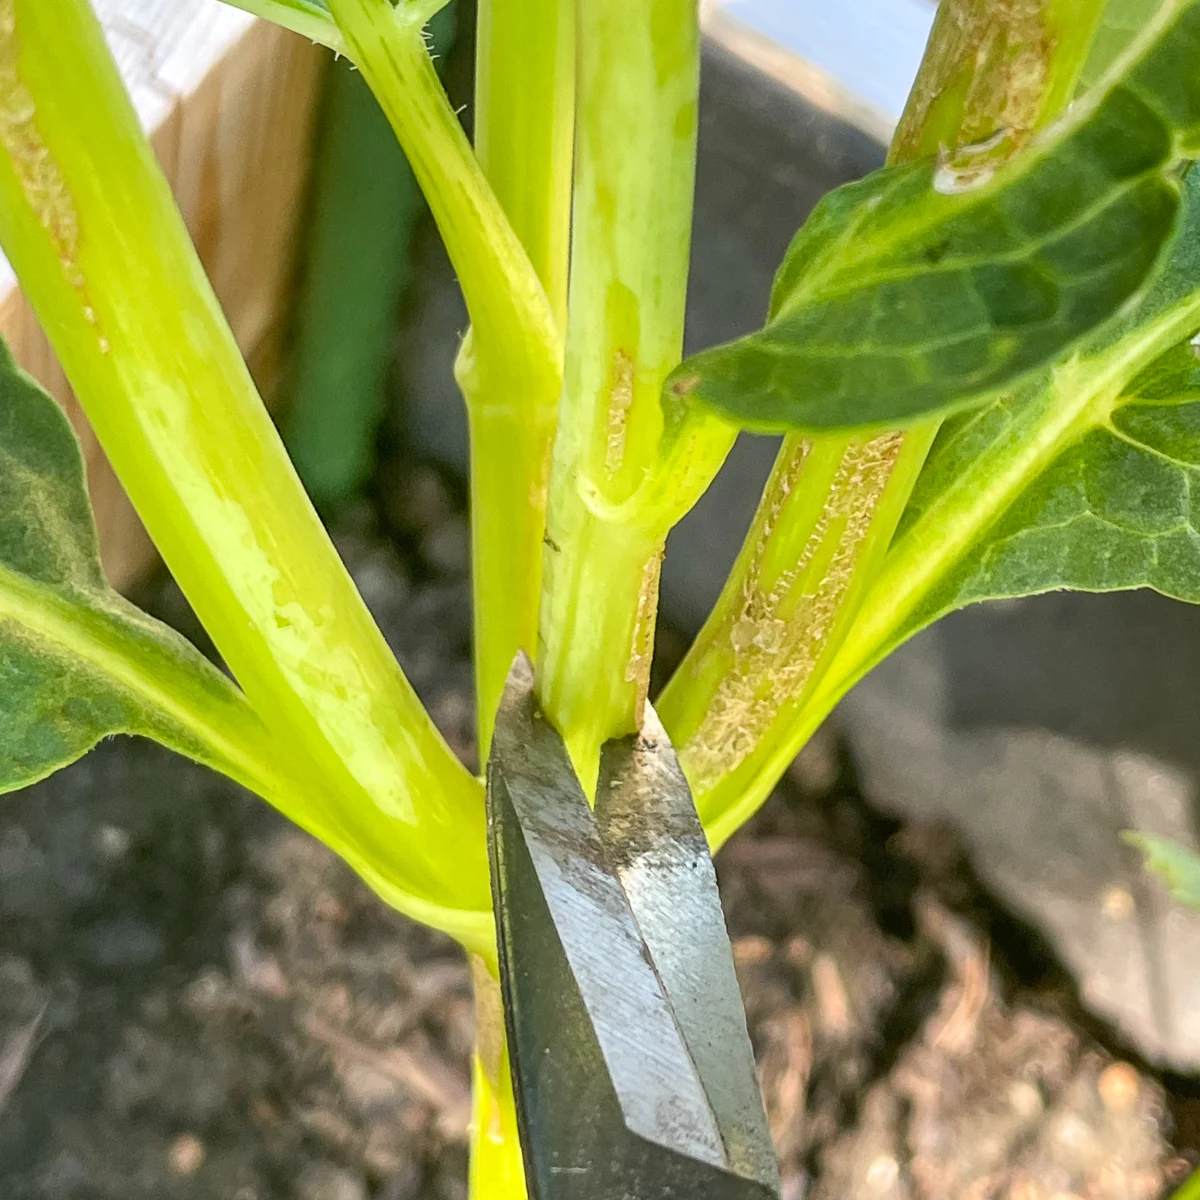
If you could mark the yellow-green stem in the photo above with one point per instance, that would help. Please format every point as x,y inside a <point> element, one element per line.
<point>510,366</point>
<point>524,135</point>
<point>497,1170</point>
<point>739,706</point>
<point>638,90</point>
<point>89,224</point>
<point>823,527</point>
<point>1190,1190</point>
<point>511,318</point>
<point>525,127</point>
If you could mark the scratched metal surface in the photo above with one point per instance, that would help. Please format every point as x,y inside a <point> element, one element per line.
<point>655,844</point>
<point>634,1071</point>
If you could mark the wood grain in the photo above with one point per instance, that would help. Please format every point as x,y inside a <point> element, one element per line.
<point>229,102</point>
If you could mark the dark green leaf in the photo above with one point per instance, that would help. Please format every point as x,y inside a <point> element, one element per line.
<point>1082,478</point>
<point>1103,500</point>
<point>924,289</point>
<point>1178,867</point>
<point>78,662</point>
<point>1123,21</point>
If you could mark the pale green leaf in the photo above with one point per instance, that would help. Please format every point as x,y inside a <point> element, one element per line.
<point>922,290</point>
<point>77,661</point>
<point>1178,867</point>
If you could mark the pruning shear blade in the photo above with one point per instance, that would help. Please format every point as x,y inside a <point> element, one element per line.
<point>631,1062</point>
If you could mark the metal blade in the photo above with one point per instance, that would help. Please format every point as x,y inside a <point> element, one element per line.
<point>655,842</point>
<point>611,1102</point>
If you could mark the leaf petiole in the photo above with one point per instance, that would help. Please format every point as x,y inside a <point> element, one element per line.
<point>524,139</point>
<point>305,17</point>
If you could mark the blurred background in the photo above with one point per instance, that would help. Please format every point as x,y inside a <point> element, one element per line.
<point>960,983</point>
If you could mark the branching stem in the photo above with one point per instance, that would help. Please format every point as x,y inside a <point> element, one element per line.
<point>634,177</point>
<point>738,706</point>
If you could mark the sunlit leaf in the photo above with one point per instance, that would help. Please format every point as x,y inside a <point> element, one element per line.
<point>77,661</point>
<point>1082,478</point>
<point>1091,491</point>
<point>928,288</point>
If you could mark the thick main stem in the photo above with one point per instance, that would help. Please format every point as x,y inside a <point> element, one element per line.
<point>736,708</point>
<point>638,88</point>
<point>89,223</point>
<point>524,137</point>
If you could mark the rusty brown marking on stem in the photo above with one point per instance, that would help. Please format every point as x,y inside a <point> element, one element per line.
<point>637,670</point>
<point>40,177</point>
<point>987,73</point>
<point>778,631</point>
<point>620,401</point>
<point>985,85</point>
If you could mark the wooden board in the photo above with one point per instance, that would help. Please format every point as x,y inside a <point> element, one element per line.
<point>230,103</point>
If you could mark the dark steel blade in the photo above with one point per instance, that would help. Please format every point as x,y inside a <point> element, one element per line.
<point>613,1101</point>
<point>656,844</point>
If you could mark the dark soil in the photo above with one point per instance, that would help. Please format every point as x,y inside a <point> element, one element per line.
<point>197,1000</point>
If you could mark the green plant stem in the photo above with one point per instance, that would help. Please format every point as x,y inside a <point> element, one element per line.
<point>996,66</point>
<point>741,704</point>
<point>820,533</point>
<point>634,178</point>
<point>524,139</point>
<point>1190,1190</point>
<point>525,127</point>
<point>497,1169</point>
<point>510,367</point>
<point>508,306</point>
<point>90,226</point>
<point>511,433</point>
